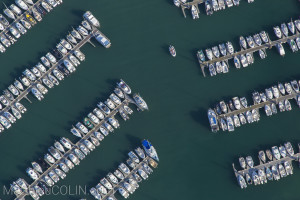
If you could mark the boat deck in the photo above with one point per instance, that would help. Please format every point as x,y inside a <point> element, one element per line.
<point>86,136</point>
<point>248,50</point>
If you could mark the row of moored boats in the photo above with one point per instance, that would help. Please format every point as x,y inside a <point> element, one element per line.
<point>260,175</point>
<point>125,179</point>
<point>269,95</point>
<point>64,155</point>
<point>211,6</point>
<point>249,42</point>
<point>52,68</point>
<point>24,14</point>
<point>102,114</point>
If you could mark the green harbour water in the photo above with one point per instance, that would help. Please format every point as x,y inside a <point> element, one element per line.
<point>194,163</point>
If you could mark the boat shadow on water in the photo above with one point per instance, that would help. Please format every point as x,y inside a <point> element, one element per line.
<point>200,116</point>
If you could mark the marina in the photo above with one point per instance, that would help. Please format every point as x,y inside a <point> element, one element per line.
<point>275,163</point>
<point>216,59</point>
<point>23,17</point>
<point>61,62</point>
<point>211,6</point>
<point>66,154</point>
<point>125,179</point>
<point>237,112</point>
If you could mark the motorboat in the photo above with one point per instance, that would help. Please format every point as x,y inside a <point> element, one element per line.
<point>65,44</point>
<point>49,158</point>
<point>287,105</point>
<point>209,54</point>
<point>277,32</point>
<point>81,127</point>
<point>58,74</point>
<point>89,145</point>
<point>295,85</point>
<point>106,183</point>
<point>82,31</point>
<point>51,58</point>
<point>230,48</point>
<point>47,82</point>
<point>101,189</point>
<point>297,24</point>
<point>14,32</point>
<point>37,93</point>
<point>68,163</point>
<point>74,60</point>
<point>54,152</point>
<point>20,107</point>
<point>257,39</point>
<point>79,55</point>
<point>282,151</point>
<point>275,91</point>
<point>84,149</point>
<point>223,107</point>
<point>289,148</point>
<point>94,141</point>
<point>15,9</point>
<point>237,103</point>
<point>212,117</point>
<point>103,108</point>
<point>22,4</point>
<point>71,39</point>
<point>59,146</point>
<point>74,159</point>
<point>140,101</point>
<point>66,143</point>
<point>79,153</point>
<point>140,152</point>
<point>250,41</point>
<point>172,50</point>
<point>32,173</point>
<point>242,162</point>
<point>76,35</point>
<point>237,62</point>
<point>119,174</point>
<point>282,171</point>
<point>223,49</point>
<point>288,88</point>
<point>124,87</point>
<point>284,29</point>
<point>98,135</point>
<point>230,124</point>
<point>53,3</point>
<point>216,51</point>
<point>212,70</point>
<point>98,113</point>
<point>13,90</point>
<point>242,118</point>
<point>61,49</point>
<point>276,153</point>
<point>150,150</point>
<point>268,110</point>
<point>69,66</point>
<point>91,19</point>
<point>60,173</point>
<point>218,67</point>
<point>243,60</point>
<point>93,118</point>
<point>249,161</point>
<point>262,156</point>
<point>46,6</point>
<point>36,14</point>
<point>292,45</point>
<point>53,79</point>
<point>9,13</point>
<point>243,42</point>
<point>108,127</point>
<point>291,27</point>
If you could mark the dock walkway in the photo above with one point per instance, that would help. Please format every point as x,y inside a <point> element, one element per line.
<point>258,106</point>
<point>262,166</point>
<point>86,136</point>
<point>248,50</point>
<point>115,187</point>
<point>23,94</point>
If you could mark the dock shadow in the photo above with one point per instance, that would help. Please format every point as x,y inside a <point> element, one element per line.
<point>200,117</point>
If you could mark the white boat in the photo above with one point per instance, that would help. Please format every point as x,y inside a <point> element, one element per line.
<point>32,173</point>
<point>276,153</point>
<point>102,39</point>
<point>291,27</point>
<point>140,101</point>
<point>14,32</point>
<point>66,143</point>
<point>98,113</point>
<point>71,39</point>
<point>277,31</point>
<point>9,13</point>
<point>37,93</point>
<point>176,3</point>
<point>22,4</point>
<point>75,34</point>
<point>91,19</point>
<point>150,150</point>
<point>69,66</point>
<point>194,11</point>
<point>59,146</point>
<point>243,42</point>
<point>241,181</point>
<point>280,49</point>
<point>284,29</point>
<point>250,41</point>
<point>237,62</point>
<point>51,58</point>
<point>86,25</point>
<point>15,9</point>
<point>79,55</point>
<point>82,31</point>
<point>66,44</point>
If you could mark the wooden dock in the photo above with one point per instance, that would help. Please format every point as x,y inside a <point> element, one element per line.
<point>115,187</point>
<point>23,94</point>
<point>269,164</point>
<point>269,45</point>
<point>23,15</point>
<point>86,136</point>
<point>258,106</point>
